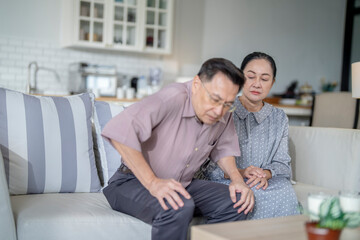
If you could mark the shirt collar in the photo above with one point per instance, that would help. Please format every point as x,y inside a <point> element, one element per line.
<point>260,116</point>
<point>189,109</point>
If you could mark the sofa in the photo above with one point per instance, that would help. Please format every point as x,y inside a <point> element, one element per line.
<point>324,159</point>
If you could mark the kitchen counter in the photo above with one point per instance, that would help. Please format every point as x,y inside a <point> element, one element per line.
<point>290,110</point>
<point>114,99</point>
<point>120,101</point>
<point>298,115</point>
<point>295,110</point>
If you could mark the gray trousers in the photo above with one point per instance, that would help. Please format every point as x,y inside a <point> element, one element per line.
<point>209,199</point>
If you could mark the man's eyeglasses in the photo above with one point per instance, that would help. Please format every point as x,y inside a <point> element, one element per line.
<point>217,102</point>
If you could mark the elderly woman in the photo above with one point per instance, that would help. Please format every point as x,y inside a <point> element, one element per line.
<point>263,137</point>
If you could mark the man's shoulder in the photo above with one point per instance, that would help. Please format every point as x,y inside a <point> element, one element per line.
<point>173,92</point>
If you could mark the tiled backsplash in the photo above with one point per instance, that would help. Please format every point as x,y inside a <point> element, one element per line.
<point>17,53</point>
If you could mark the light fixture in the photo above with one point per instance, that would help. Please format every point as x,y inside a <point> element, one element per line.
<point>355,76</point>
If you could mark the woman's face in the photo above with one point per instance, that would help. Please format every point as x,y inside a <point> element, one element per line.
<point>258,80</point>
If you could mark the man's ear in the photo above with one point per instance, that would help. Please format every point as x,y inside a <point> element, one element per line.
<point>196,84</point>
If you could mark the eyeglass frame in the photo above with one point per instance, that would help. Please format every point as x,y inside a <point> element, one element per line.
<point>218,102</point>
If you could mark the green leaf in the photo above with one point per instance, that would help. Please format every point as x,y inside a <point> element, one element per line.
<point>325,208</point>
<point>352,219</point>
<point>332,224</point>
<point>335,209</point>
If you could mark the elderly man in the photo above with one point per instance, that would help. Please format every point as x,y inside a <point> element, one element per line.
<point>163,141</point>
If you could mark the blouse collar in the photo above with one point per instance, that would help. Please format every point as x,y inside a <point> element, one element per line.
<point>260,116</point>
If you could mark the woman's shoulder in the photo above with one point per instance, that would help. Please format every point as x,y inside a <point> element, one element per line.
<point>278,115</point>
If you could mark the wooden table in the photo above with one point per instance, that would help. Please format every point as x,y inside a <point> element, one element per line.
<point>285,228</point>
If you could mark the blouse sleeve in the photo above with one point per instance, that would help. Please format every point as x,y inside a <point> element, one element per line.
<point>280,163</point>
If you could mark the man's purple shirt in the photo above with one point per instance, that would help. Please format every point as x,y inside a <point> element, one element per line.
<point>174,143</point>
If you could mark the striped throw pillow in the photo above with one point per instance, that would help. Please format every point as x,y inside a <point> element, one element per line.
<point>109,157</point>
<point>46,143</point>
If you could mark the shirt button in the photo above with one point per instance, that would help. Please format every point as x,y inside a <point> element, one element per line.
<point>187,165</point>
<point>196,149</point>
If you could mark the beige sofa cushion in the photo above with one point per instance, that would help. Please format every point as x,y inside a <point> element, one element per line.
<point>326,157</point>
<point>75,216</point>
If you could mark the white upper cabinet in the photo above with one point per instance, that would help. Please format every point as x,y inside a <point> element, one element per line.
<point>131,25</point>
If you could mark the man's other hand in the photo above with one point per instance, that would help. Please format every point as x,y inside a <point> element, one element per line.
<point>168,189</point>
<point>247,199</point>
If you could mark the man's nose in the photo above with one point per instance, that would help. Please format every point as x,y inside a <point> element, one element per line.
<point>219,110</point>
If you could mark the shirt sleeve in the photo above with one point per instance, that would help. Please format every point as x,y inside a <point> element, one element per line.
<point>134,125</point>
<point>280,164</point>
<point>228,143</point>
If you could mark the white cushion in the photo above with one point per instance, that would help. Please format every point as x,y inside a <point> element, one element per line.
<point>303,190</point>
<point>109,157</point>
<point>73,216</point>
<point>46,143</point>
<point>326,157</point>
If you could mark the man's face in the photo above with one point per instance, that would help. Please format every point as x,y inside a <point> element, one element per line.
<point>209,99</point>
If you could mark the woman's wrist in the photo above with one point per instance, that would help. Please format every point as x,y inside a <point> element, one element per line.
<point>268,174</point>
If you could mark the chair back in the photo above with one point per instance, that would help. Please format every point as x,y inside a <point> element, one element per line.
<point>333,109</point>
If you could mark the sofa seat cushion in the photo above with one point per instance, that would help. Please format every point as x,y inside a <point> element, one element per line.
<point>73,216</point>
<point>302,191</point>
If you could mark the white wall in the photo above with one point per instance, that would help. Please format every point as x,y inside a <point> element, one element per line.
<point>32,19</point>
<point>304,36</point>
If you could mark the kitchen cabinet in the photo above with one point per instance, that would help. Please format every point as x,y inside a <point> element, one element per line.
<point>127,25</point>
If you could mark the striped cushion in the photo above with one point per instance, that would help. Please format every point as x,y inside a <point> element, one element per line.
<point>109,157</point>
<point>47,144</point>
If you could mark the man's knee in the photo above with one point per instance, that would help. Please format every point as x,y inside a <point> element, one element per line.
<point>226,212</point>
<point>183,213</point>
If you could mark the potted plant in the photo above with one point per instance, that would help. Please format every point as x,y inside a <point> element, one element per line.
<point>331,221</point>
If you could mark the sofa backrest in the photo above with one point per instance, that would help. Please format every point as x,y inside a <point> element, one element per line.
<point>7,225</point>
<point>326,157</point>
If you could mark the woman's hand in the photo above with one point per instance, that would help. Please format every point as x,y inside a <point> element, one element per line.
<point>253,171</point>
<point>262,182</point>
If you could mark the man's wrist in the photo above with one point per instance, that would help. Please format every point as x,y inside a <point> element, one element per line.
<point>235,176</point>
<point>152,181</point>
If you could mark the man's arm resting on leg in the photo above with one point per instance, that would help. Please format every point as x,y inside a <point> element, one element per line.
<point>237,185</point>
<point>160,188</point>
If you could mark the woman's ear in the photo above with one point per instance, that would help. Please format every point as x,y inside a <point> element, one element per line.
<point>273,82</point>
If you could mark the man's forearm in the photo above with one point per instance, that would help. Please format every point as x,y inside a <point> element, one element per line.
<point>137,163</point>
<point>241,171</point>
<point>228,165</point>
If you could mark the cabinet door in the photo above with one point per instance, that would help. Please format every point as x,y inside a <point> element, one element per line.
<point>90,22</point>
<point>158,26</point>
<point>125,22</point>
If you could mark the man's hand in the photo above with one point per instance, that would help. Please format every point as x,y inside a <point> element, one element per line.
<point>160,188</point>
<point>237,185</point>
<point>246,201</point>
<point>168,189</point>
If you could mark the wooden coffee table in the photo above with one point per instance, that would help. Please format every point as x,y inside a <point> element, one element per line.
<point>285,228</point>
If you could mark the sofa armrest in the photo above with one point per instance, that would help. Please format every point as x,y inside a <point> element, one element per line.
<point>7,225</point>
